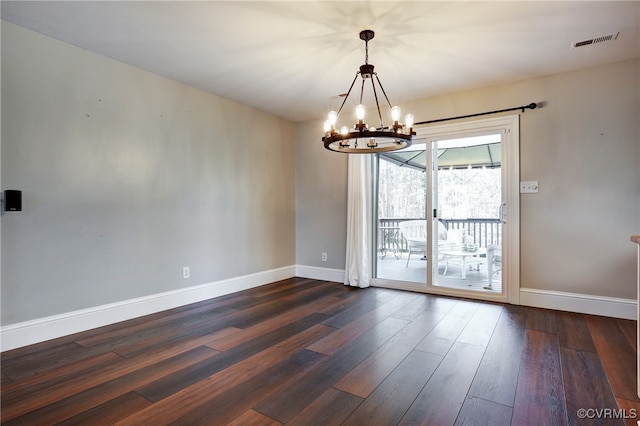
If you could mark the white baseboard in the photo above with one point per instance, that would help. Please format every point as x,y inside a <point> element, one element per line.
<point>317,273</point>
<point>41,329</point>
<point>580,303</point>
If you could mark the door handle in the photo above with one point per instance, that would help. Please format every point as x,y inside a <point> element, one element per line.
<point>503,213</point>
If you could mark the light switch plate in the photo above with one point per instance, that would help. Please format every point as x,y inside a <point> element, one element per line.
<point>529,187</point>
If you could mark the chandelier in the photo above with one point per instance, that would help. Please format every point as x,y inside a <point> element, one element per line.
<point>362,138</point>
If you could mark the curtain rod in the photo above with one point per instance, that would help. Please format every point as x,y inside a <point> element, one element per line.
<point>532,105</point>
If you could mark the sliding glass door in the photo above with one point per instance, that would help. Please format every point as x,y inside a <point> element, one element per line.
<point>447,207</point>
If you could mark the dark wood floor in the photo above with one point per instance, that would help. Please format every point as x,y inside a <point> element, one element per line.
<point>308,352</point>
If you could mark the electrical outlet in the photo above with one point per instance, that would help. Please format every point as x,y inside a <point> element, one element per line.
<point>186,272</point>
<point>530,187</point>
<point>324,257</point>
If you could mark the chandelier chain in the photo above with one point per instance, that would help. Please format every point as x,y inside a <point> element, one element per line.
<point>366,51</point>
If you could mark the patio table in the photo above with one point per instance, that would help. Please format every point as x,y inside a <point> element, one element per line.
<point>467,258</point>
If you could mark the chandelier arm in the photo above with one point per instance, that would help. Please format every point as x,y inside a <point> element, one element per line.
<point>375,95</point>
<point>349,92</point>
<point>385,93</point>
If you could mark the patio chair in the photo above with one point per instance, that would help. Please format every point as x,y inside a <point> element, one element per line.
<point>415,233</point>
<point>494,262</point>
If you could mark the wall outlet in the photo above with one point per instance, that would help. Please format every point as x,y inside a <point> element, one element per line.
<point>324,257</point>
<point>186,272</point>
<point>529,187</point>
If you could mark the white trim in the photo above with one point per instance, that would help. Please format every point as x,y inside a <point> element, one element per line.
<point>41,329</point>
<point>509,127</point>
<point>511,194</point>
<point>638,324</point>
<point>580,303</point>
<point>318,273</point>
<point>486,296</point>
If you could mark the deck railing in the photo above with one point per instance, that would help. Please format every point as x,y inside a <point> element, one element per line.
<point>481,231</point>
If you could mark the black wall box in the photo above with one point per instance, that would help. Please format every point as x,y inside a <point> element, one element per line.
<point>13,200</point>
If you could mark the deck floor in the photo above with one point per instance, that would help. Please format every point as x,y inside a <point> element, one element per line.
<point>416,271</point>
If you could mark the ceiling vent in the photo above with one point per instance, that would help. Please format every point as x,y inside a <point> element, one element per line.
<point>600,39</point>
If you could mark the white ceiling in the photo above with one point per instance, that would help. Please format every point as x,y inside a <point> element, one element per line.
<point>292,58</point>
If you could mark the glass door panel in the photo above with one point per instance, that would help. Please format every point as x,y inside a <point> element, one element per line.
<point>401,216</point>
<point>467,199</point>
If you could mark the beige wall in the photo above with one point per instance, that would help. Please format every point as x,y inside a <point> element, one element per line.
<point>583,146</point>
<point>126,178</point>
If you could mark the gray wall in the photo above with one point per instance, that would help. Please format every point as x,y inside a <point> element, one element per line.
<point>127,177</point>
<point>583,147</point>
<point>321,200</point>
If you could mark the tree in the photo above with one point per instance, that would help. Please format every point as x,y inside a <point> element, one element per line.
<point>462,193</point>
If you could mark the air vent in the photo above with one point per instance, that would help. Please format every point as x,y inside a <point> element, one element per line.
<point>600,39</point>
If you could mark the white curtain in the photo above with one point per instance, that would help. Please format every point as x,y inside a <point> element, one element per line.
<point>358,271</point>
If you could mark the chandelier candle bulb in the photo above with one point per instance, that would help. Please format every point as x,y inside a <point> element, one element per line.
<point>333,118</point>
<point>395,114</point>
<point>408,121</point>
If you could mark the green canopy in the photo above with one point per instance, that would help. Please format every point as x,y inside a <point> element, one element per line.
<point>457,154</point>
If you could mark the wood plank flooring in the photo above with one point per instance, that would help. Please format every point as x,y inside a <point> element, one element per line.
<point>309,352</point>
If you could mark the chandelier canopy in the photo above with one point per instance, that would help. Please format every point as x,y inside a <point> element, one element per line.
<point>363,138</point>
